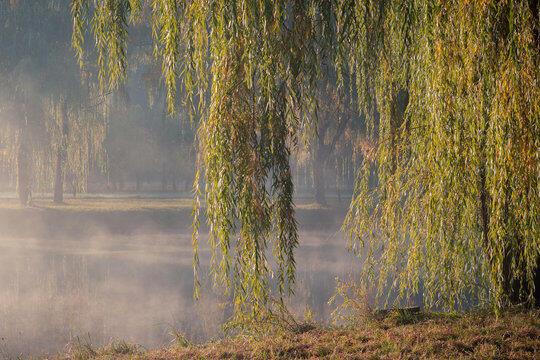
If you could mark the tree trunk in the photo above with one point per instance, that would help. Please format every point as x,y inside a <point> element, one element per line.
<point>89,165</point>
<point>59,178</point>
<point>60,157</point>
<point>515,289</point>
<point>319,162</point>
<point>74,187</point>
<point>318,183</point>
<point>163,177</point>
<point>537,284</point>
<point>137,183</point>
<point>338,189</point>
<point>121,183</point>
<point>24,166</point>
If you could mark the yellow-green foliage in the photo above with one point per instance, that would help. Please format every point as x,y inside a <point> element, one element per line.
<point>455,206</point>
<point>255,62</point>
<point>454,163</point>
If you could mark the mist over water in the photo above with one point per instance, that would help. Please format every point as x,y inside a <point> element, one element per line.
<point>114,262</point>
<point>135,287</point>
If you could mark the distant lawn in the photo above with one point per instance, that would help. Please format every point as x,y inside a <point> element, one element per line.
<point>134,203</point>
<point>85,216</point>
<point>103,204</point>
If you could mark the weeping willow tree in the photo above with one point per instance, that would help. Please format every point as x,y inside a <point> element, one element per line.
<point>59,142</point>
<point>454,211</point>
<point>76,145</point>
<point>450,90</point>
<point>46,134</point>
<point>246,68</point>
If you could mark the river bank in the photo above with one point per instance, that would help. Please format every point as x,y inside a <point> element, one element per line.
<point>514,335</point>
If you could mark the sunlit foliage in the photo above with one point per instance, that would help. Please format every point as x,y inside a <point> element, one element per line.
<point>457,158</point>
<point>449,186</point>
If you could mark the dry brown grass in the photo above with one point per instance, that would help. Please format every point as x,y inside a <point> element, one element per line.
<point>473,336</point>
<point>513,336</point>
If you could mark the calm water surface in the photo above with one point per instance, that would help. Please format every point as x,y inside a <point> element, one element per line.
<point>136,288</point>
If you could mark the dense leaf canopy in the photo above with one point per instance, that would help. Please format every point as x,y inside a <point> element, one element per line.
<point>448,195</point>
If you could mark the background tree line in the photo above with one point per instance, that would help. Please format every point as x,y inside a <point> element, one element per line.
<point>60,133</point>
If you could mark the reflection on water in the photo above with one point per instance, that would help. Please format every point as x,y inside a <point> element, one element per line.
<point>135,288</point>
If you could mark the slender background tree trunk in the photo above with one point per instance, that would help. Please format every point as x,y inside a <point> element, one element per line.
<point>59,179</point>
<point>319,162</point>
<point>318,183</point>
<point>24,166</point>
<point>60,156</point>
<point>24,160</point>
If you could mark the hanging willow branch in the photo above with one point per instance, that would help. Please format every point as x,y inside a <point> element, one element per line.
<point>450,90</point>
<point>456,85</point>
<point>256,62</point>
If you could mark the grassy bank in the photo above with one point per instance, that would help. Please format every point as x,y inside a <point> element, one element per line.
<point>100,204</point>
<point>88,216</point>
<point>473,336</point>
